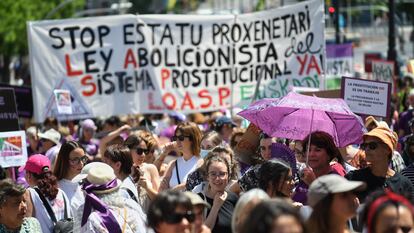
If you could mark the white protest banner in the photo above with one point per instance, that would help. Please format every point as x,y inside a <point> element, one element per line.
<point>159,63</point>
<point>383,71</point>
<point>367,97</point>
<point>13,151</point>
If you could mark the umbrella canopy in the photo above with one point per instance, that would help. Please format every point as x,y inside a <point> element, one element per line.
<point>294,116</point>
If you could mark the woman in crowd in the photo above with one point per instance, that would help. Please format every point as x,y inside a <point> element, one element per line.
<point>208,142</point>
<point>44,186</point>
<point>148,178</point>
<point>322,158</point>
<point>152,145</point>
<point>69,163</point>
<point>236,137</point>
<point>378,145</point>
<point>276,179</point>
<point>274,216</point>
<point>388,212</point>
<point>334,203</point>
<point>171,212</point>
<point>13,209</point>
<point>188,142</point>
<point>87,131</point>
<point>244,206</point>
<point>105,209</point>
<point>198,176</point>
<point>222,202</point>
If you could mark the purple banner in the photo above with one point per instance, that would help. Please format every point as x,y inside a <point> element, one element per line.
<point>339,50</point>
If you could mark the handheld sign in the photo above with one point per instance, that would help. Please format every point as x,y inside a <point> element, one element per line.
<point>9,119</point>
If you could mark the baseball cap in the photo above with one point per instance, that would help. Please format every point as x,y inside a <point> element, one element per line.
<point>51,135</point>
<point>88,124</point>
<point>332,183</point>
<point>37,164</point>
<point>225,120</point>
<point>87,167</point>
<point>196,199</point>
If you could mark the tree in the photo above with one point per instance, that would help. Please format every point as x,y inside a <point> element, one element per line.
<point>13,17</point>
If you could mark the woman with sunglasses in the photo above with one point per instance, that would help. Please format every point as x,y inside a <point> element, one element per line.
<point>222,202</point>
<point>146,174</point>
<point>388,212</point>
<point>188,142</point>
<point>378,145</point>
<point>69,163</point>
<point>171,212</point>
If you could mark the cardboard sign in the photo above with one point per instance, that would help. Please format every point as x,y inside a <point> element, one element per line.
<point>248,144</point>
<point>160,63</point>
<point>13,152</point>
<point>367,97</point>
<point>9,119</point>
<point>383,71</point>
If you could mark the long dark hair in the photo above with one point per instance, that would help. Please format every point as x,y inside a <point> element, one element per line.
<point>60,169</point>
<point>273,171</point>
<point>47,184</point>
<point>320,218</point>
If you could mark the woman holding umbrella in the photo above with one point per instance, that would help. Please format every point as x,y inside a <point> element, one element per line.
<point>322,151</point>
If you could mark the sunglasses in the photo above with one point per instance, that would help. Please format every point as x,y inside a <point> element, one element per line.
<point>178,217</point>
<point>141,151</point>
<point>76,161</point>
<point>181,137</point>
<point>370,145</point>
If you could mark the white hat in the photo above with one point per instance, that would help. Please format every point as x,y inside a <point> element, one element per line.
<point>332,183</point>
<point>51,135</point>
<point>98,173</point>
<point>86,168</point>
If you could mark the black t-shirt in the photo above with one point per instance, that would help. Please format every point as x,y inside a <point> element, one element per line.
<point>223,222</point>
<point>397,183</point>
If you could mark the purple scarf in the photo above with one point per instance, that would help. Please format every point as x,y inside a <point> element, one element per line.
<point>93,202</point>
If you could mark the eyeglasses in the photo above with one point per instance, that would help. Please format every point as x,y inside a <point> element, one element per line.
<point>178,217</point>
<point>140,150</point>
<point>220,175</point>
<point>180,137</point>
<point>370,145</point>
<point>76,161</point>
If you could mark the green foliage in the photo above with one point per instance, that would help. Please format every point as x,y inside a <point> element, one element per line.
<point>15,13</point>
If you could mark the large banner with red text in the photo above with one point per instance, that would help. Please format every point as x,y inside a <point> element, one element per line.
<point>158,63</point>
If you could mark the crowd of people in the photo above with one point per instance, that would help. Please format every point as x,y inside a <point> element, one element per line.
<point>181,173</point>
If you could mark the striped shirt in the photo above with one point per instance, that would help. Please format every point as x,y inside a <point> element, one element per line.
<point>409,173</point>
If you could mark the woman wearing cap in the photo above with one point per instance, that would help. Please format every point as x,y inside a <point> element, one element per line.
<point>69,163</point>
<point>171,212</point>
<point>222,202</point>
<point>145,173</point>
<point>86,133</point>
<point>106,209</point>
<point>387,212</point>
<point>199,208</point>
<point>188,142</point>
<point>378,145</point>
<point>334,203</point>
<point>44,186</point>
<point>13,209</point>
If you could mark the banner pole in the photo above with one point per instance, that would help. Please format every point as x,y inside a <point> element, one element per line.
<point>233,71</point>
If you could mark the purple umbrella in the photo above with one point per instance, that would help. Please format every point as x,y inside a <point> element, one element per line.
<point>294,116</point>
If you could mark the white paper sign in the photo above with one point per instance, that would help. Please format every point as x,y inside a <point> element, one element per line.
<point>63,101</point>
<point>188,63</point>
<point>367,97</point>
<point>13,151</point>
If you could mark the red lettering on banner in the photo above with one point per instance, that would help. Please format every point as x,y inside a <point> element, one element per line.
<point>85,82</point>
<point>130,59</point>
<point>204,94</point>
<point>151,104</point>
<point>69,70</point>
<point>187,101</point>
<point>302,63</point>
<point>165,99</point>
<point>313,64</point>
<point>165,74</point>
<point>223,92</point>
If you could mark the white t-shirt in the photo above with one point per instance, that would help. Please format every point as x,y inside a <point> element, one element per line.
<point>184,168</point>
<point>129,184</point>
<point>58,207</point>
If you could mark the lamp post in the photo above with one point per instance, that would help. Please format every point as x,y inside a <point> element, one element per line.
<point>392,52</point>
